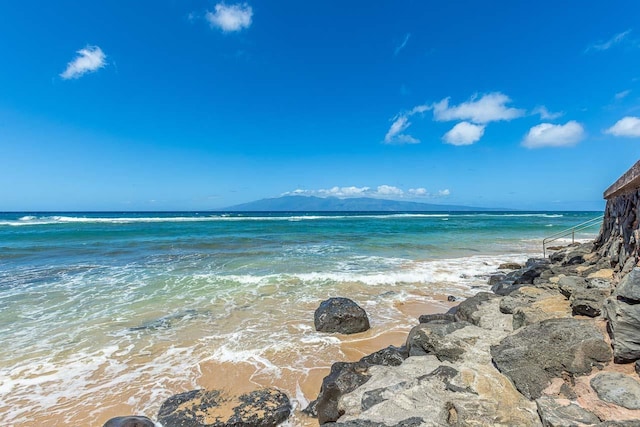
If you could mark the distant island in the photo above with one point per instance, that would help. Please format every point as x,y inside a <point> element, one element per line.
<point>334,204</point>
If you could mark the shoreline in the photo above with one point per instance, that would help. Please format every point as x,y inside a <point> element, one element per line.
<point>181,333</point>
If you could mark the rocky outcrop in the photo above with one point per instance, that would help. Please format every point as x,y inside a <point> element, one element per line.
<point>532,353</point>
<point>340,315</point>
<point>434,393</point>
<point>129,421</point>
<point>214,408</point>
<point>620,233</point>
<point>346,377</point>
<point>522,277</point>
<point>553,348</point>
<point>623,312</point>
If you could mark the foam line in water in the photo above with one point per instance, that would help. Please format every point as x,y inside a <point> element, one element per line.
<point>57,219</point>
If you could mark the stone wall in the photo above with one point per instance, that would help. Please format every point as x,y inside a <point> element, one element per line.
<point>620,231</point>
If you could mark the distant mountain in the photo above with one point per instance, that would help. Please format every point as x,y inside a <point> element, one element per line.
<point>333,204</point>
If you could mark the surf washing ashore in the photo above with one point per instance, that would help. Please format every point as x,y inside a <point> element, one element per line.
<point>105,314</point>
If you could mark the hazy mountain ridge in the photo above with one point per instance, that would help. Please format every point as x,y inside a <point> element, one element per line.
<point>334,204</point>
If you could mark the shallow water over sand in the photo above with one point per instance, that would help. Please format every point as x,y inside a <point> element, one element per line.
<point>105,315</point>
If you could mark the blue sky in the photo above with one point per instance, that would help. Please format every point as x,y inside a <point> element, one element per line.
<point>190,105</point>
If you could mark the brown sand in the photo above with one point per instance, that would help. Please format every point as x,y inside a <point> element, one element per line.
<point>233,378</point>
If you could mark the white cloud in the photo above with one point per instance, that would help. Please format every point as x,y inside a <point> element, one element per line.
<point>550,135</point>
<point>444,193</point>
<point>389,190</point>
<point>89,59</point>
<point>418,192</point>
<point>395,135</point>
<point>623,94</point>
<point>464,133</point>
<point>489,108</point>
<point>628,126</point>
<point>230,18</point>
<point>546,114</point>
<point>382,191</point>
<point>617,39</point>
<point>400,123</point>
<point>403,44</point>
<point>420,109</point>
<point>345,191</point>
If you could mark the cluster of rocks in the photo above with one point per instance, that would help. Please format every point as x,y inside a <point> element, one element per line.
<point>553,344</point>
<point>260,408</point>
<point>215,408</point>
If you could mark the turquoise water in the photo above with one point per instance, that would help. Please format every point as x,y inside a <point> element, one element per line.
<point>133,307</point>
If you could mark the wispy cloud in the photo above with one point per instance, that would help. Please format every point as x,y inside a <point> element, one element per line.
<point>396,135</point>
<point>382,191</point>
<point>230,18</point>
<point>546,114</point>
<point>608,44</point>
<point>627,127</point>
<point>402,45</point>
<point>550,135</point>
<point>621,95</point>
<point>89,59</point>
<point>491,107</point>
<point>464,133</point>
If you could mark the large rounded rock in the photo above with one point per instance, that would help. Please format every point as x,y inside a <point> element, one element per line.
<point>340,315</point>
<point>617,388</point>
<point>129,421</point>
<point>213,408</point>
<point>553,348</point>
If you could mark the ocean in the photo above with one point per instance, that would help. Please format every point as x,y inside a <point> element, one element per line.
<point>106,314</point>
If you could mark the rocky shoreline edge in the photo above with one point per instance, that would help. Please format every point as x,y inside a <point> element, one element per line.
<point>555,343</point>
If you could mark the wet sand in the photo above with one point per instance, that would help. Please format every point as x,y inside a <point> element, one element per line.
<point>301,383</point>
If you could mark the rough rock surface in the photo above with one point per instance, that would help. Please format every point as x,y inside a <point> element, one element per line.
<point>618,239</point>
<point>537,353</point>
<point>340,315</point>
<point>629,287</point>
<point>129,421</point>
<point>462,388</point>
<point>346,377</point>
<point>562,412</point>
<point>622,310</point>
<point>426,318</point>
<point>550,307</point>
<point>588,302</point>
<point>468,310</point>
<point>437,338</point>
<point>438,393</point>
<point>213,408</point>
<point>617,388</point>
